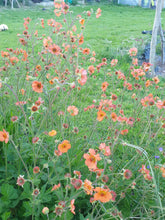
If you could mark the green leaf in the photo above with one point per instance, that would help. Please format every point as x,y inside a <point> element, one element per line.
<point>8,192</point>
<point>27,193</point>
<point>5,216</point>
<point>28,208</point>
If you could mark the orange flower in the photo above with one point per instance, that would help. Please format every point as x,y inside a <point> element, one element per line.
<point>100,115</point>
<point>4,136</point>
<point>51,22</point>
<point>64,146</point>
<point>156,80</point>
<point>56,187</point>
<point>5,54</point>
<point>114,62</point>
<point>81,40</point>
<point>47,42</point>
<point>82,21</point>
<point>133,51</point>
<point>104,86</point>
<point>72,110</point>
<point>37,86</point>
<point>91,159</point>
<point>113,116</point>
<point>13,60</point>
<point>91,69</point>
<point>148,83</point>
<point>54,49</point>
<point>52,133</point>
<point>105,149</point>
<point>86,51</point>
<point>124,132</point>
<point>83,79</point>
<point>146,66</point>
<point>38,68</point>
<point>88,187</point>
<point>57,12</point>
<point>72,206</point>
<point>103,195</point>
<point>135,61</point>
<point>98,13</point>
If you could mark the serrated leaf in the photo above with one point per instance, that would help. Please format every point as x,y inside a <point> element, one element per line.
<point>8,192</point>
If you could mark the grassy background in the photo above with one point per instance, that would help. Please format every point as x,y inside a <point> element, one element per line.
<point>118,28</point>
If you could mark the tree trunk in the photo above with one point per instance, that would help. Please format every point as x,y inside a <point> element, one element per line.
<point>5,3</point>
<point>162,45</point>
<point>155,29</point>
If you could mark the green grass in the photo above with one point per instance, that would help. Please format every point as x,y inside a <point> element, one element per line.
<point>110,36</point>
<point>118,28</point>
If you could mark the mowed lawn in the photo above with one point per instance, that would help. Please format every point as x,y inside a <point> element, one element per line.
<point>118,27</point>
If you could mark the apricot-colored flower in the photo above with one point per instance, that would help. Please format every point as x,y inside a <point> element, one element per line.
<point>160,104</point>
<point>22,41</point>
<point>77,173</point>
<point>38,68</point>
<point>13,60</point>
<point>145,172</point>
<point>104,86</point>
<point>83,79</point>
<point>51,22</point>
<point>57,12</point>
<point>114,116</point>
<point>124,132</point>
<point>105,149</point>
<point>64,146</point>
<point>57,153</point>
<point>88,187</point>
<point>55,187</point>
<point>114,62</point>
<point>72,206</point>
<point>146,66</point>
<point>91,159</point>
<point>58,4</point>
<point>37,86</point>
<point>82,21</point>
<point>54,49</point>
<point>52,133</point>
<point>5,54</point>
<point>156,80</point>
<point>4,136</point>
<point>91,69</point>
<point>103,195</point>
<point>47,42</point>
<point>148,83</point>
<point>81,40</point>
<point>133,51</point>
<point>135,61</point>
<point>45,210</point>
<point>100,115</point>
<point>72,110</point>
<point>98,13</point>
<point>86,51</point>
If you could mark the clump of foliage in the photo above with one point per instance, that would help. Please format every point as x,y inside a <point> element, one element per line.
<point>80,139</point>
